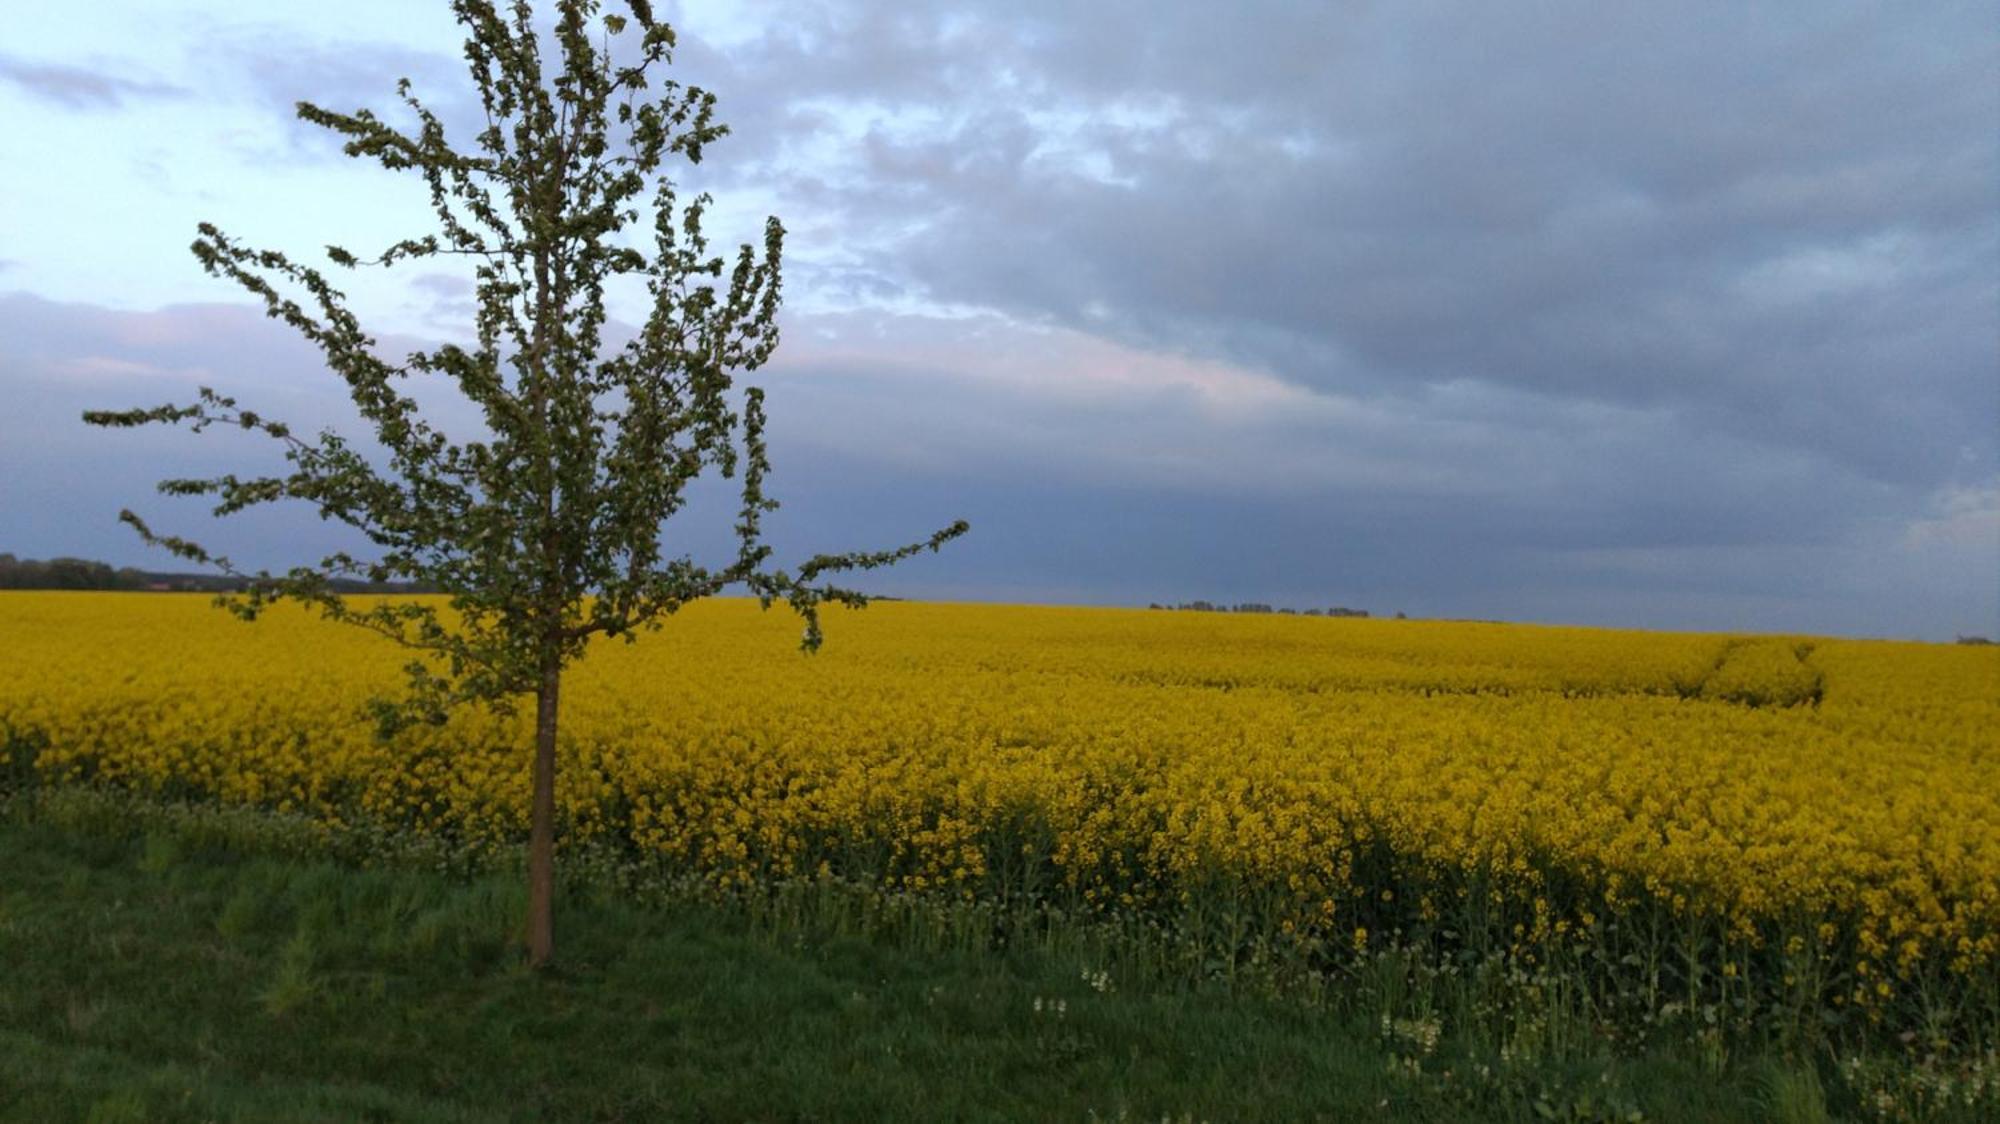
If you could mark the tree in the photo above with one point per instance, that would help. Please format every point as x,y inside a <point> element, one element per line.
<point>544,528</point>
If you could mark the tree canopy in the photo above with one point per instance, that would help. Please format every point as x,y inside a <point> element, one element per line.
<point>544,528</point>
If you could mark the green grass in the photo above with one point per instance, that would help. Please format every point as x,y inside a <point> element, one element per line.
<point>156,974</point>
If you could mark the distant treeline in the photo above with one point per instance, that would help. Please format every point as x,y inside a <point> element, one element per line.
<point>82,573</point>
<point>1260,607</point>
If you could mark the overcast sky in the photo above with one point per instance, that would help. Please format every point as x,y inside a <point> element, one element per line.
<point>1667,315</point>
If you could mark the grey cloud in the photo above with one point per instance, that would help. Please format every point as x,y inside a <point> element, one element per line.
<point>1470,502</point>
<point>1678,316</point>
<point>1166,479</point>
<point>1511,469</point>
<point>1779,225</point>
<point>103,85</point>
<point>443,284</point>
<point>449,297</point>
<point>279,69</point>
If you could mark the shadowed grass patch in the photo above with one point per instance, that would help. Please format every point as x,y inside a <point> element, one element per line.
<point>161,975</point>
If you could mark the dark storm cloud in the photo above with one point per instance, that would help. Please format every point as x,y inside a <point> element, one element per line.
<point>1476,469</point>
<point>1777,223</point>
<point>1090,473</point>
<point>1095,474</point>
<point>1040,534</point>
<point>99,86</point>
<point>67,481</point>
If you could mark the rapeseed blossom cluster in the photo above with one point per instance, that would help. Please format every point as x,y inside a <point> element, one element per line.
<point>1819,814</point>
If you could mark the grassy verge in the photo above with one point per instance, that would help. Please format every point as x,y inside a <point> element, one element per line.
<point>168,971</point>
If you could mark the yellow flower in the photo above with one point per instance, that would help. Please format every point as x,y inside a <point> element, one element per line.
<point>1774,788</point>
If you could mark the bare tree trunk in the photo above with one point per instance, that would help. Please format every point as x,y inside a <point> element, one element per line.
<point>542,831</point>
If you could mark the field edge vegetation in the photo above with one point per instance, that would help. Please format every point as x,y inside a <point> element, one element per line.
<point>265,918</point>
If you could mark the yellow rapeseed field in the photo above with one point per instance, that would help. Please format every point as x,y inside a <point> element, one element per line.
<point>1338,776</point>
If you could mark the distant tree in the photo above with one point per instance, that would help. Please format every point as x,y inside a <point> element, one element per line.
<point>56,573</point>
<point>545,530</point>
<point>77,573</point>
